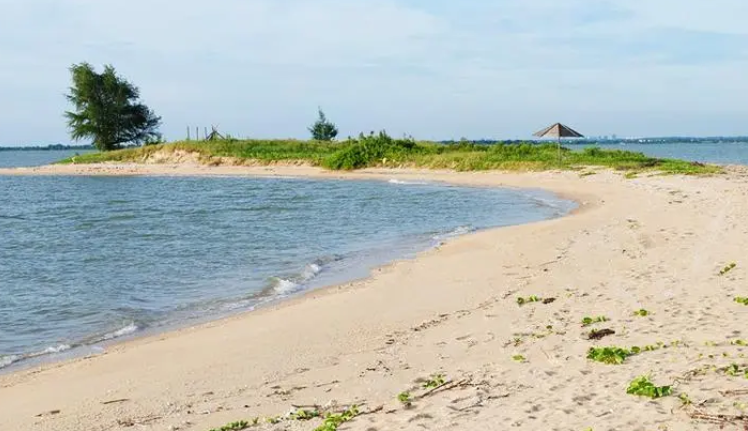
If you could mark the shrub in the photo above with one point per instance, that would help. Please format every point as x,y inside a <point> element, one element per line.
<point>643,387</point>
<point>369,150</point>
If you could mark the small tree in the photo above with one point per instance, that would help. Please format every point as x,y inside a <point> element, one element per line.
<point>323,130</point>
<point>107,109</point>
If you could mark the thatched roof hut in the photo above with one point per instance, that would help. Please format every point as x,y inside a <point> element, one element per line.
<point>558,131</point>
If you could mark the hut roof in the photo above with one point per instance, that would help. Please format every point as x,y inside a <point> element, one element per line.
<point>558,130</point>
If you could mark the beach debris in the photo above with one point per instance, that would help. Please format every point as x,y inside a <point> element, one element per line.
<point>547,301</point>
<point>523,301</point>
<point>718,418</point>
<point>598,334</point>
<point>728,268</point>
<point>122,400</point>
<point>49,413</point>
<point>588,321</point>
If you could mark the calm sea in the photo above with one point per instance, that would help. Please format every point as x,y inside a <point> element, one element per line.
<point>723,152</point>
<point>12,159</point>
<point>84,260</point>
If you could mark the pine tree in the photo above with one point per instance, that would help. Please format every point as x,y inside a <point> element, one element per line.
<point>323,130</point>
<point>107,109</point>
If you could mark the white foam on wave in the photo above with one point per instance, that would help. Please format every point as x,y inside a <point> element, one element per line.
<point>127,330</point>
<point>282,286</point>
<point>409,183</point>
<point>57,349</point>
<point>8,360</point>
<point>462,230</point>
<point>310,271</point>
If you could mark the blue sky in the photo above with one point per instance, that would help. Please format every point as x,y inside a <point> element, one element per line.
<point>435,69</point>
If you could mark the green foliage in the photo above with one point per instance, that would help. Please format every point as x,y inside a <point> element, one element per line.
<point>382,150</point>
<point>233,426</point>
<point>519,358</point>
<point>641,313</point>
<point>728,268</point>
<point>434,382</point>
<point>369,150</point>
<point>685,400</point>
<point>333,420</point>
<point>741,300</point>
<point>643,387</point>
<point>305,415</point>
<point>736,370</point>
<point>405,399</point>
<point>323,130</point>
<point>587,321</point>
<point>107,109</point>
<point>523,301</point>
<point>609,355</point>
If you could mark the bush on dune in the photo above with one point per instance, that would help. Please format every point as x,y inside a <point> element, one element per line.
<point>370,150</point>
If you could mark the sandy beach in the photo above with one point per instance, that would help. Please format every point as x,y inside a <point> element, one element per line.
<point>654,242</point>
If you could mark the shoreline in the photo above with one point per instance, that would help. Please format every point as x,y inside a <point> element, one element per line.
<point>449,310</point>
<point>60,354</point>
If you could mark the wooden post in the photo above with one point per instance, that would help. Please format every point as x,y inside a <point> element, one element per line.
<point>197,133</point>
<point>188,133</point>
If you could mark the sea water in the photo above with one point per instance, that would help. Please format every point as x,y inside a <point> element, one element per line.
<point>86,260</point>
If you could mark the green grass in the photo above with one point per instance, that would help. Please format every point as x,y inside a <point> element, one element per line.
<point>377,150</point>
<point>741,300</point>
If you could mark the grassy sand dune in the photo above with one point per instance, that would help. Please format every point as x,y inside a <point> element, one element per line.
<point>384,151</point>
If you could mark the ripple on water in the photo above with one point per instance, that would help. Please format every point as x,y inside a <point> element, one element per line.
<point>86,260</point>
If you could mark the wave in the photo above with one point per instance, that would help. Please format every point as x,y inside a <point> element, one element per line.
<point>8,360</point>
<point>461,230</point>
<point>281,286</point>
<point>409,183</point>
<point>57,349</point>
<point>121,332</point>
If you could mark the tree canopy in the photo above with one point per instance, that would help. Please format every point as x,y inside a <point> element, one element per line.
<point>107,110</point>
<point>323,130</point>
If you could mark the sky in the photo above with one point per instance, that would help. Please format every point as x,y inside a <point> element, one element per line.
<point>433,69</point>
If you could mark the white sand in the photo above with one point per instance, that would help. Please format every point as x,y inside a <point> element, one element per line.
<point>656,243</point>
